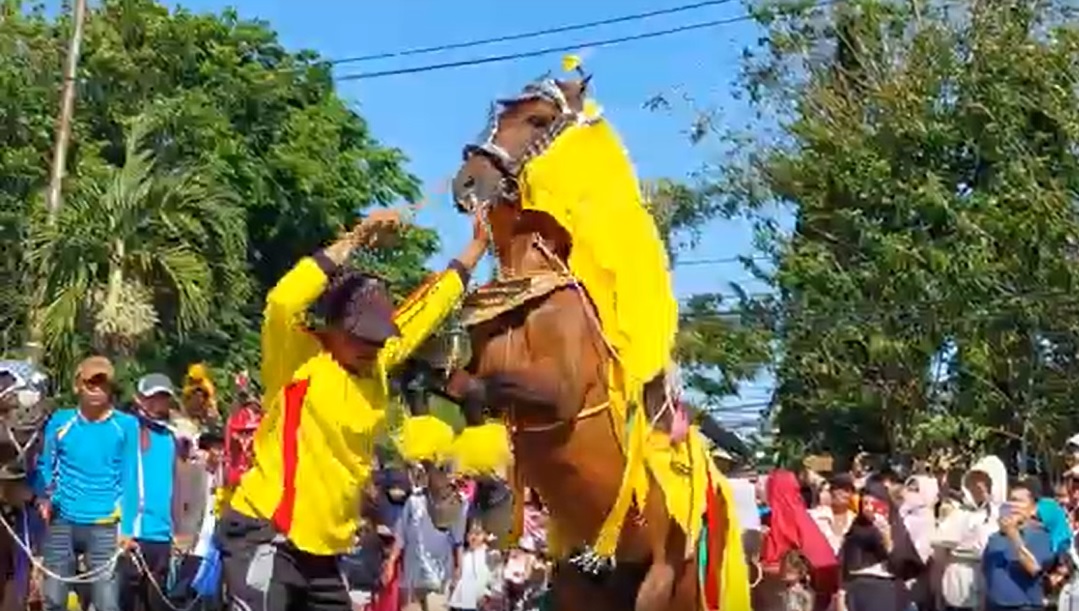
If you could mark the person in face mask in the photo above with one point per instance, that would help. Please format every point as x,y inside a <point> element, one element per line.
<point>156,505</point>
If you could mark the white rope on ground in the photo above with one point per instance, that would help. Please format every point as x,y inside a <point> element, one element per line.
<point>91,576</point>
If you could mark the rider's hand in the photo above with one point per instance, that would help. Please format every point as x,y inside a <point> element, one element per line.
<point>387,573</point>
<point>44,507</point>
<point>379,227</point>
<point>182,544</point>
<point>127,543</point>
<point>375,229</point>
<point>481,237</point>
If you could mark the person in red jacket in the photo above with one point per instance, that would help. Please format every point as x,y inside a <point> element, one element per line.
<point>240,431</point>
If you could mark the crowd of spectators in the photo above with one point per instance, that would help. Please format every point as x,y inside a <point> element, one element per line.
<point>126,496</point>
<point>881,540</point>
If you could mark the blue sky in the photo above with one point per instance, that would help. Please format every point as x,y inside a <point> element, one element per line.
<point>431,115</point>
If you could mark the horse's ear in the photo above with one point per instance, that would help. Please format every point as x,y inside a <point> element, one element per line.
<point>584,83</point>
<point>575,91</point>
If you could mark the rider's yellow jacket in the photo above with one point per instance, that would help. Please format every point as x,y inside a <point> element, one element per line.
<point>314,448</point>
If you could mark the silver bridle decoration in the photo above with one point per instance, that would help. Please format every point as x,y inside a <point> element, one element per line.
<point>509,166</point>
<point>29,389</point>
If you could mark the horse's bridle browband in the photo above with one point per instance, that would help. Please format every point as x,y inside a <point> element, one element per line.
<point>509,166</point>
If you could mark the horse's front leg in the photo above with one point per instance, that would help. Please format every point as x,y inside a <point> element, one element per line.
<point>537,388</point>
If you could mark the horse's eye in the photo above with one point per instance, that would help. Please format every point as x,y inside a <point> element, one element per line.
<point>539,121</point>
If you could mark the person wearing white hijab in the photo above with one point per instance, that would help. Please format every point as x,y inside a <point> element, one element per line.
<point>960,539</point>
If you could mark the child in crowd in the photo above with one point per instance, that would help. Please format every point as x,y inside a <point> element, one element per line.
<point>523,574</point>
<point>204,478</point>
<point>794,569</point>
<point>363,567</point>
<point>477,576</point>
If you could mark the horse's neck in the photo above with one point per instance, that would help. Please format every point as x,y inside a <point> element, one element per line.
<point>525,255</point>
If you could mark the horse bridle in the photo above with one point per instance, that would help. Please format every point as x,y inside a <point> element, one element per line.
<point>508,166</point>
<point>22,419</point>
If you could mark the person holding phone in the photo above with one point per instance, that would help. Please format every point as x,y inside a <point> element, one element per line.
<point>878,556</point>
<point>1016,557</point>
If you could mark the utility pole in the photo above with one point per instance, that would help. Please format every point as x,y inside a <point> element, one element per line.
<point>59,165</point>
<point>67,108</point>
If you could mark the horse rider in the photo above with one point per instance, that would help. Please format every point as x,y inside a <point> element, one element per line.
<point>295,512</point>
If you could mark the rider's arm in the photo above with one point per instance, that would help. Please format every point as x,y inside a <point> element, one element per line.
<point>131,484</point>
<point>46,463</point>
<point>286,344</point>
<point>425,309</point>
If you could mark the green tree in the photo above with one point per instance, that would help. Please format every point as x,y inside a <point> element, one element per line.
<point>927,153</point>
<point>135,249</point>
<point>214,92</point>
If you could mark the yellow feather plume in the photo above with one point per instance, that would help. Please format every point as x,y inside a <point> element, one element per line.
<point>483,449</point>
<point>424,438</point>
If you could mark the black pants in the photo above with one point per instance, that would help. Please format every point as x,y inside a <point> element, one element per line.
<point>138,591</point>
<point>870,593</point>
<point>264,572</point>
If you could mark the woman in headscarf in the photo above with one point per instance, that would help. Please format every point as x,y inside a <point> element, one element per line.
<point>961,537</point>
<point>878,556</point>
<point>919,502</point>
<point>791,528</point>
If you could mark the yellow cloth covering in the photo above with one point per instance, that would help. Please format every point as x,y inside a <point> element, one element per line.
<point>734,572</point>
<point>682,471</point>
<point>586,182</point>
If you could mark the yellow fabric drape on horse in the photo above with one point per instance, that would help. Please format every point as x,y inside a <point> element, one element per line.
<point>586,182</point>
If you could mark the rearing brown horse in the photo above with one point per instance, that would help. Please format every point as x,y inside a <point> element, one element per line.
<point>539,359</point>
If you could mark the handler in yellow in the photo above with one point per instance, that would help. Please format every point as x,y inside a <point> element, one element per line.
<point>296,510</point>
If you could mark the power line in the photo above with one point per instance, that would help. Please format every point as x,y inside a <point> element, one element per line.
<point>876,312</point>
<point>493,59</point>
<point>526,35</point>
<point>720,261</point>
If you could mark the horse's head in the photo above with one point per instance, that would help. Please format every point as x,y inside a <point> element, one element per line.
<point>520,129</point>
<point>24,409</point>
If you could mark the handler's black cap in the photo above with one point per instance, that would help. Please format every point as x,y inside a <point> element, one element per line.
<point>359,303</point>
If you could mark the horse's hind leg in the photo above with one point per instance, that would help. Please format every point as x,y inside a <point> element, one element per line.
<point>668,551</point>
<point>661,586</point>
<point>686,589</point>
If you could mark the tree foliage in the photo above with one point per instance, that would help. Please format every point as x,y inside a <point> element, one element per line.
<point>241,130</point>
<point>927,151</point>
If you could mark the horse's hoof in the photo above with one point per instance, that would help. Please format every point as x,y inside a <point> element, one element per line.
<point>589,562</point>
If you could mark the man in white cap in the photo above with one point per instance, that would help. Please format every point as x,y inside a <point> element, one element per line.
<point>155,508</point>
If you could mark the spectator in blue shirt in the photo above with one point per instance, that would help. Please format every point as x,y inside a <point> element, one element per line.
<point>87,465</point>
<point>156,506</point>
<point>1017,556</point>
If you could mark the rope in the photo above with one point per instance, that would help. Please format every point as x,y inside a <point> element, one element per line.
<point>90,576</point>
<point>585,413</point>
<point>144,568</point>
<point>593,318</point>
<point>98,572</point>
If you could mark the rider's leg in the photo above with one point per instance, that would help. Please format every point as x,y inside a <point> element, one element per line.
<point>254,575</point>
